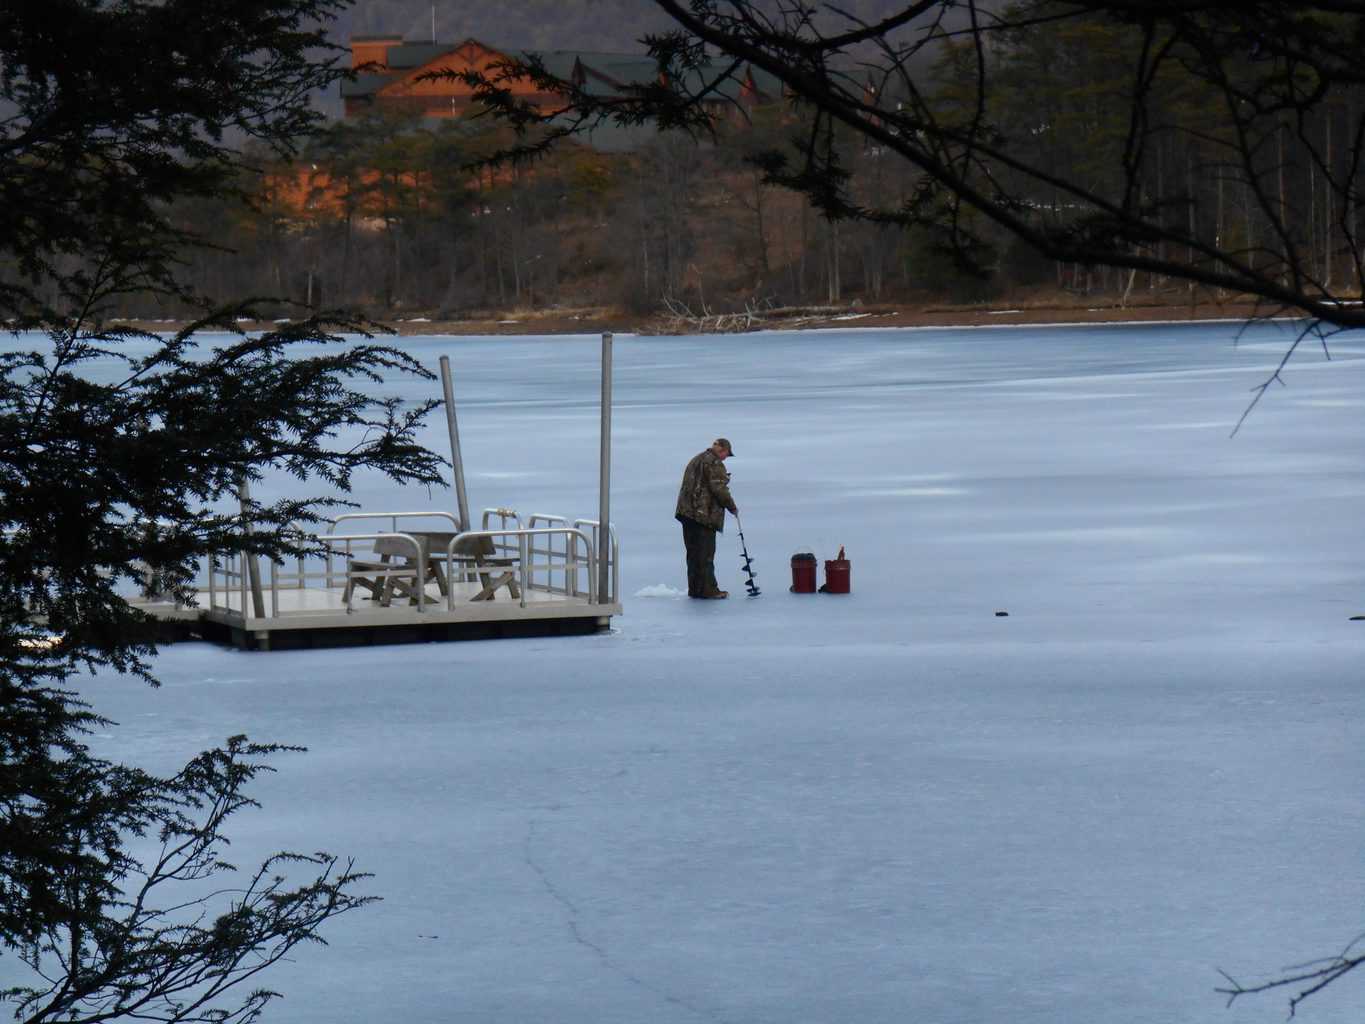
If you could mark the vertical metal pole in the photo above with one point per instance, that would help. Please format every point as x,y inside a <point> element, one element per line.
<point>524,556</point>
<point>456,462</point>
<point>571,568</point>
<point>604,476</point>
<point>253,567</point>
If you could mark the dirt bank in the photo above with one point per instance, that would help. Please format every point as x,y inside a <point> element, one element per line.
<point>597,320</point>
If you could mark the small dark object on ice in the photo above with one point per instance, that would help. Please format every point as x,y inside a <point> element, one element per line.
<point>1358,618</point>
<point>1002,615</point>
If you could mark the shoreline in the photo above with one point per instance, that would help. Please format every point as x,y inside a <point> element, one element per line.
<point>598,320</point>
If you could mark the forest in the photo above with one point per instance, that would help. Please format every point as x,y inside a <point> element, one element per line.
<point>404,217</point>
<point>396,217</point>
<point>603,25</point>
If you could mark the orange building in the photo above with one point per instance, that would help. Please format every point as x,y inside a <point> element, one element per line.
<point>395,77</point>
<point>310,190</point>
<point>394,80</point>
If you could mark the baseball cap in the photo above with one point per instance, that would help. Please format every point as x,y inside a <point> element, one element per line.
<point>721,442</point>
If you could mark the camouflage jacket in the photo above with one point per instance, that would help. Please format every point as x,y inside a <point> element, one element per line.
<point>704,495</point>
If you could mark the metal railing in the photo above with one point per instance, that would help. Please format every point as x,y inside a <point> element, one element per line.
<point>525,563</point>
<point>589,526</point>
<point>392,517</point>
<point>225,577</point>
<point>415,568</point>
<point>613,553</point>
<point>549,555</point>
<point>569,584</point>
<point>505,516</point>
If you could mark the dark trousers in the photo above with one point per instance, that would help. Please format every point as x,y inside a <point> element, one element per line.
<point>700,542</point>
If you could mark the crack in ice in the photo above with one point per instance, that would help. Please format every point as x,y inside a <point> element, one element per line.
<point>599,951</point>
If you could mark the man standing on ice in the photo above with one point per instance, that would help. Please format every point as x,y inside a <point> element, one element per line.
<point>702,501</point>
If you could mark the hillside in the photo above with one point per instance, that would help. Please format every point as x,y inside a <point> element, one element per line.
<point>534,24</point>
<point>544,24</point>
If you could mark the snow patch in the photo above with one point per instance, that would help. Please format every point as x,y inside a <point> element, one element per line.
<point>659,590</point>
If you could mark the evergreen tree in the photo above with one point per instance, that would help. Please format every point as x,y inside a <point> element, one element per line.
<point>122,458</point>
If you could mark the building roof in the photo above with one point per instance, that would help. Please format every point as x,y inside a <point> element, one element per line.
<point>365,84</point>
<point>598,73</point>
<point>408,55</point>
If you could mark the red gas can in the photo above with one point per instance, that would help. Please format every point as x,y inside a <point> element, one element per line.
<point>838,575</point>
<point>803,573</point>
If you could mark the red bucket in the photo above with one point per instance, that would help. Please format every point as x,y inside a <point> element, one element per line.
<point>838,575</point>
<point>803,573</point>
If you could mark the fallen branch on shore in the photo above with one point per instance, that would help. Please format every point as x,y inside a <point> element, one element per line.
<point>678,318</point>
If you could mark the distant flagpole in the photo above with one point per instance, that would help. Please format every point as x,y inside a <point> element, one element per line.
<point>433,23</point>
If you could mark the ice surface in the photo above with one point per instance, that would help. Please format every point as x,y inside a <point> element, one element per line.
<point>887,807</point>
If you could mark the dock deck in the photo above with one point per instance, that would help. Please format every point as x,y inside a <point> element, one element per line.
<point>533,579</point>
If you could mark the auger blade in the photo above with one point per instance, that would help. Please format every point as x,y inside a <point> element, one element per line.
<point>748,564</point>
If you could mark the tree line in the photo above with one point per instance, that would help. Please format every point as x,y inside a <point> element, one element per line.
<point>395,217</point>
<point>1105,172</point>
<point>610,25</point>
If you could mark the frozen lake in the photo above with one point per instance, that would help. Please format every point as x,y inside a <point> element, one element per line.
<point>894,806</point>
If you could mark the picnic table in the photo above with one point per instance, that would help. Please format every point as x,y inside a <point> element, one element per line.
<point>402,570</point>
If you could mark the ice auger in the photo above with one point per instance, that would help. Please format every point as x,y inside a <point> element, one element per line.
<point>748,565</point>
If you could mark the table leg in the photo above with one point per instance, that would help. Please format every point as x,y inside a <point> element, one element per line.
<point>435,568</point>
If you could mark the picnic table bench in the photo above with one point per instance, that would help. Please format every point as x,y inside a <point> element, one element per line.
<point>416,568</point>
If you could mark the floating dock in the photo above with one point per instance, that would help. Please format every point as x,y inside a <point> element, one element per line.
<point>395,577</point>
<point>394,585</point>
